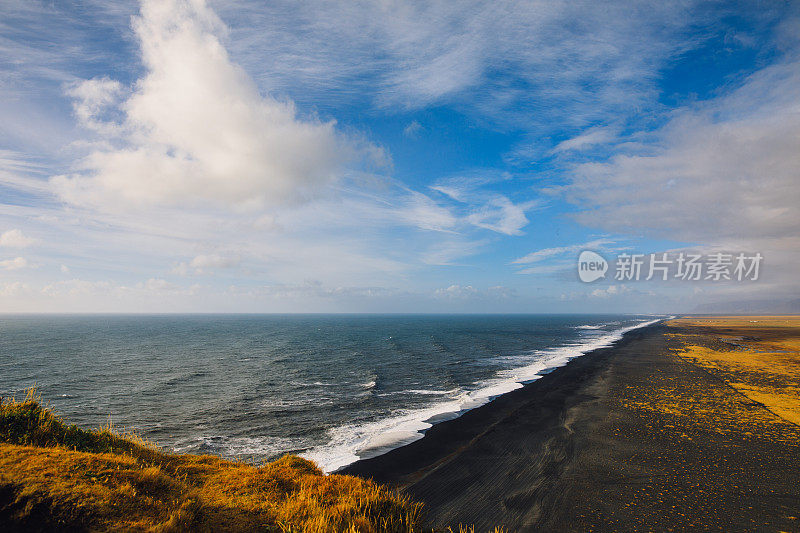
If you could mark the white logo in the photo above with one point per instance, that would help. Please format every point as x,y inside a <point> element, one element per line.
<point>591,266</point>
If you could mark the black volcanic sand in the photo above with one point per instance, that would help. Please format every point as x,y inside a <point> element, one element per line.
<point>588,448</point>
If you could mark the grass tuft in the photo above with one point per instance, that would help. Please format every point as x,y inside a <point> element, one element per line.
<point>30,423</point>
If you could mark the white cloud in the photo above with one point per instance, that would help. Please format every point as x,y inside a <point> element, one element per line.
<point>206,263</point>
<point>14,238</point>
<point>310,289</point>
<point>463,292</point>
<point>423,212</point>
<point>544,65</point>
<point>590,137</point>
<point>450,252</point>
<point>196,129</point>
<point>547,253</point>
<point>413,129</point>
<point>15,288</point>
<point>722,170</point>
<point>91,101</point>
<point>106,290</point>
<point>214,261</point>
<point>456,291</point>
<point>549,70</point>
<point>484,208</point>
<point>611,290</point>
<point>502,216</point>
<point>77,287</point>
<point>722,174</point>
<point>158,285</point>
<point>14,264</point>
<point>560,266</point>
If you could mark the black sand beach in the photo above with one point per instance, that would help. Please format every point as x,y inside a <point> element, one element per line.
<point>589,448</point>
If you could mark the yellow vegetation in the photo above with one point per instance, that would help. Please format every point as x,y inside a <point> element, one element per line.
<point>757,356</point>
<point>756,364</point>
<point>58,476</point>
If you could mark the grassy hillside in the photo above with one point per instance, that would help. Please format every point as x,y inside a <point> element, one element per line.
<point>54,475</point>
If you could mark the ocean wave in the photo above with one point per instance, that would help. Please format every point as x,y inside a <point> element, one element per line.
<point>300,402</point>
<point>351,442</point>
<point>313,384</point>
<point>229,446</point>
<point>591,327</point>
<point>421,392</point>
<point>430,392</point>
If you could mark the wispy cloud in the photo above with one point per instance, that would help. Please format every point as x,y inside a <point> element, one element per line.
<point>537,64</point>
<point>484,208</point>
<point>547,253</point>
<point>413,129</point>
<point>590,137</point>
<point>719,170</point>
<point>721,173</point>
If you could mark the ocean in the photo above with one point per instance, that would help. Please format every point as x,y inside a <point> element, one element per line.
<point>332,388</point>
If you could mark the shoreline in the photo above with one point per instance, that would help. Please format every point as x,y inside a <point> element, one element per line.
<point>464,427</point>
<point>410,428</point>
<point>593,446</point>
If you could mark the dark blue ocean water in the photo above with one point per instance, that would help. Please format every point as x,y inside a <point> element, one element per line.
<point>253,387</point>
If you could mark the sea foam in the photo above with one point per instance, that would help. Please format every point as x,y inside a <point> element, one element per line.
<point>351,442</point>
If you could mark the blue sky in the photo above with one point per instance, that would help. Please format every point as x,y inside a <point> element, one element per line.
<point>209,156</point>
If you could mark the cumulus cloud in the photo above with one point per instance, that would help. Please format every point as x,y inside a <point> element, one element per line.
<point>15,288</point>
<point>196,129</point>
<point>611,290</point>
<point>14,264</point>
<point>93,99</point>
<point>464,292</point>
<point>14,238</point>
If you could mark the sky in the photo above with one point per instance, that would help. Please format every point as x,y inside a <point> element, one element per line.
<point>394,156</point>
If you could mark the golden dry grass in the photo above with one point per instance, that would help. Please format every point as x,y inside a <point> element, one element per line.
<point>758,356</point>
<point>755,361</point>
<point>57,476</point>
